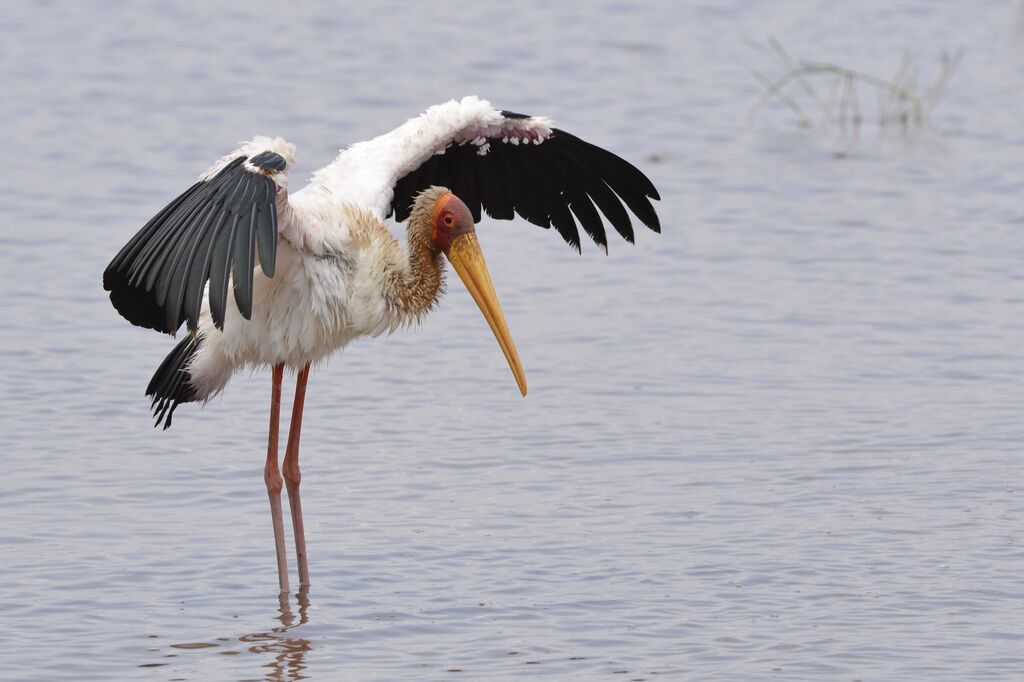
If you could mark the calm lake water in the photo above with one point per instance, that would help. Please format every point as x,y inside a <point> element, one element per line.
<point>782,440</point>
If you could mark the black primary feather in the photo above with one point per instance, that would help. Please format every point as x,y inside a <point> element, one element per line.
<point>602,195</point>
<point>266,239</point>
<point>171,383</point>
<point>494,195</point>
<point>211,231</point>
<point>219,272</point>
<point>242,264</point>
<point>136,243</point>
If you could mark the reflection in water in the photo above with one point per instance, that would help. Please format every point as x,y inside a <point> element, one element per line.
<point>289,652</point>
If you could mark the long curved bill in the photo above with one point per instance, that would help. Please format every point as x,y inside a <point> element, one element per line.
<point>468,261</point>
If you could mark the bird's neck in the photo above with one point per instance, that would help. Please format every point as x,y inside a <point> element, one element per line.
<point>416,289</point>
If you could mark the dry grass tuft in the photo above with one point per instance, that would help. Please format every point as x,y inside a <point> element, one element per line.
<point>903,101</point>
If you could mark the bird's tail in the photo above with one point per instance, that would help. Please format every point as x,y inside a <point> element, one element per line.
<point>171,384</point>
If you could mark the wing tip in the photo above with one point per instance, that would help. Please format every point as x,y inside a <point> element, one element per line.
<point>136,304</point>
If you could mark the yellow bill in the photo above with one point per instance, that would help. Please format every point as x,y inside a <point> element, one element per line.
<point>468,261</point>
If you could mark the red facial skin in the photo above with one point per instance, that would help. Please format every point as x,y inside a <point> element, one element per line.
<point>451,219</point>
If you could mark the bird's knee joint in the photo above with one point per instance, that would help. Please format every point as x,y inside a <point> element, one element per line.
<point>273,480</point>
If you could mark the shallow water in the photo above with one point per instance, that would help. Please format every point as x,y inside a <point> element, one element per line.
<point>782,440</point>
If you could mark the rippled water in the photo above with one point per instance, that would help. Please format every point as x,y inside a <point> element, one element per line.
<point>780,441</point>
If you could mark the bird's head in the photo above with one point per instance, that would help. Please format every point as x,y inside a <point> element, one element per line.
<point>453,232</point>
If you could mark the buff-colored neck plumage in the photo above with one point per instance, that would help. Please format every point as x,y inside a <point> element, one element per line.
<point>416,290</point>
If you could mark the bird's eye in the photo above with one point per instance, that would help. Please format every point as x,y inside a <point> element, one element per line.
<point>448,220</point>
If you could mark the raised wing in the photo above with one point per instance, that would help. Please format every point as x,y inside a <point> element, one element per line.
<point>500,162</point>
<point>212,232</point>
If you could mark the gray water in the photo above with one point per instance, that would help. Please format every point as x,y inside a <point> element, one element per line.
<point>782,440</point>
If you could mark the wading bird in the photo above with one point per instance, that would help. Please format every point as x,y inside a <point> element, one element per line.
<point>312,270</point>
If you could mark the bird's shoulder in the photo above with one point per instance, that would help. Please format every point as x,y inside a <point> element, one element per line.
<point>337,227</point>
<point>365,229</point>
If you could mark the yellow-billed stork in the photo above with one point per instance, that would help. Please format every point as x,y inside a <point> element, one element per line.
<point>330,271</point>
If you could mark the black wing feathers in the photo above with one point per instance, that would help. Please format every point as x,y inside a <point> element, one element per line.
<point>213,231</point>
<point>561,182</point>
<point>498,202</point>
<point>220,271</point>
<point>266,238</point>
<point>171,384</point>
<point>241,273</point>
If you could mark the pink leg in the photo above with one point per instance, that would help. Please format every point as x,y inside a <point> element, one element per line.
<point>272,477</point>
<point>293,477</point>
